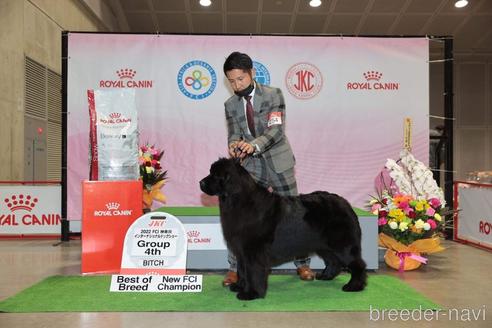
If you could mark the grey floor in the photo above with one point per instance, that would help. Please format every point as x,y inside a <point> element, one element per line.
<point>458,278</point>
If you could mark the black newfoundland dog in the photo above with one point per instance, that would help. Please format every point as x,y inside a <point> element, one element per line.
<point>263,229</point>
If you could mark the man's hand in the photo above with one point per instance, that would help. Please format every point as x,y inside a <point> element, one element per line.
<point>240,149</point>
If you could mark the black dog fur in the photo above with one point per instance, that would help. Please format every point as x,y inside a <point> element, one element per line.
<point>263,229</point>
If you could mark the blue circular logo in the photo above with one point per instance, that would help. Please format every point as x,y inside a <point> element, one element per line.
<point>262,74</point>
<point>197,79</point>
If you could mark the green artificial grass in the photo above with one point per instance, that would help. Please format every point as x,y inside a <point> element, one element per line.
<point>286,293</point>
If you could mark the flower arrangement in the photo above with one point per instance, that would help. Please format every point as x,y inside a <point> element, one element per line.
<point>151,174</point>
<point>410,210</point>
<point>407,219</point>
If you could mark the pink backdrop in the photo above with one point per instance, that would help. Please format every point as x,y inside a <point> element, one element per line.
<point>341,136</point>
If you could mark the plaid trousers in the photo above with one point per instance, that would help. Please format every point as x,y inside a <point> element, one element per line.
<point>280,183</point>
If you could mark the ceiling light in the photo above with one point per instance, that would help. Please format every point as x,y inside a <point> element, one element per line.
<point>205,3</point>
<point>460,3</point>
<point>315,3</point>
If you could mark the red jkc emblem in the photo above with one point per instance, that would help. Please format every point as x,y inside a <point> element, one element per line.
<point>304,80</point>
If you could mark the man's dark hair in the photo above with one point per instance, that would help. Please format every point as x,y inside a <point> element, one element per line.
<point>238,60</point>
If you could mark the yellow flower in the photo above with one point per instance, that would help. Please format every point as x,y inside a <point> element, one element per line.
<point>438,217</point>
<point>419,206</point>
<point>396,213</point>
<point>149,169</point>
<point>403,226</point>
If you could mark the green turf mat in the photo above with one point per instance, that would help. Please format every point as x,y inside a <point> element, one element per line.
<point>286,293</point>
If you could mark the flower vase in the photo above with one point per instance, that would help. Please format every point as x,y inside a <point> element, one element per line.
<point>402,261</point>
<point>408,257</point>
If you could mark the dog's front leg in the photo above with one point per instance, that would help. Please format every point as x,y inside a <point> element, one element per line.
<point>256,277</point>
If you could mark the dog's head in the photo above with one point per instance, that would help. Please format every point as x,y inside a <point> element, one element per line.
<point>224,178</point>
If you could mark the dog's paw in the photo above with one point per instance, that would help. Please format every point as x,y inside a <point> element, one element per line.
<point>354,286</point>
<point>235,288</point>
<point>247,296</point>
<point>321,276</point>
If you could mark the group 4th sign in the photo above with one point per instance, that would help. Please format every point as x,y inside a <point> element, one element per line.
<point>30,210</point>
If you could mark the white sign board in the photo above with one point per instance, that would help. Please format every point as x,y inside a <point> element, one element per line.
<point>30,210</point>
<point>155,243</point>
<point>474,219</point>
<point>156,284</point>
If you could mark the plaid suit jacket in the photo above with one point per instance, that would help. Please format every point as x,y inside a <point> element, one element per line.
<point>268,105</point>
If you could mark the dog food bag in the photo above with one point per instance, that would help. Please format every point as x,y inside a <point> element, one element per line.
<point>113,135</point>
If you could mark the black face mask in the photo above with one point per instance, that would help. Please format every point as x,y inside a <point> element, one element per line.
<point>245,92</point>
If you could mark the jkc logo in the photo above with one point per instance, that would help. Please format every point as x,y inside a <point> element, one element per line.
<point>484,227</point>
<point>194,238</point>
<point>304,80</point>
<point>114,119</point>
<point>373,82</point>
<point>112,209</point>
<point>197,79</point>
<point>126,80</point>
<point>25,203</point>
<point>262,75</point>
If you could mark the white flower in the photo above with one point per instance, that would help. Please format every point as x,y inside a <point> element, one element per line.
<point>412,177</point>
<point>393,225</point>
<point>427,226</point>
<point>419,224</point>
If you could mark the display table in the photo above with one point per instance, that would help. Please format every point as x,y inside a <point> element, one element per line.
<point>473,218</point>
<point>207,250</point>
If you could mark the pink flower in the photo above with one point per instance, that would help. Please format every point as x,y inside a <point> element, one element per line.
<point>403,205</point>
<point>375,207</point>
<point>382,221</point>
<point>434,202</point>
<point>430,211</point>
<point>432,223</point>
<point>408,210</point>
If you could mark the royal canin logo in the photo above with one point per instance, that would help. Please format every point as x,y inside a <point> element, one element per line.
<point>193,233</point>
<point>112,206</point>
<point>20,202</point>
<point>484,227</point>
<point>373,82</point>
<point>126,73</point>
<point>114,118</point>
<point>372,75</point>
<point>125,80</point>
<point>194,238</point>
<point>25,203</point>
<point>112,209</point>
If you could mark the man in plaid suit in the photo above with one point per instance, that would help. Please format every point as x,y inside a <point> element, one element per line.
<point>255,117</point>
